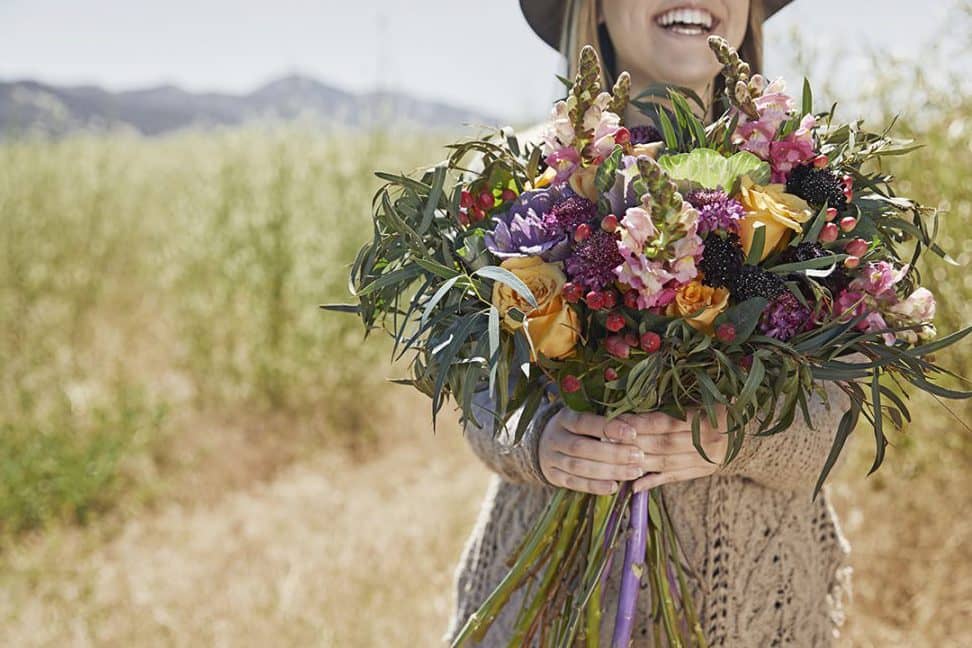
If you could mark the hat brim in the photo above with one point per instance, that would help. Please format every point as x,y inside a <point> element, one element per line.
<point>546,16</point>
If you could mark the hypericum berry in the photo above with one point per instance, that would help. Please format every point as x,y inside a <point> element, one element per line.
<point>595,300</point>
<point>582,232</point>
<point>570,384</point>
<point>486,200</point>
<point>610,374</point>
<point>857,247</point>
<point>465,200</point>
<point>610,299</point>
<point>848,187</point>
<point>726,333</point>
<point>820,161</point>
<point>630,339</point>
<point>508,195</point>
<point>609,223</point>
<point>746,362</point>
<point>631,299</point>
<point>650,341</point>
<point>828,233</point>
<point>617,346</point>
<point>476,213</point>
<point>464,219</point>
<point>573,292</point>
<point>622,136</point>
<point>852,262</point>
<point>614,322</point>
<point>831,214</point>
<point>848,223</point>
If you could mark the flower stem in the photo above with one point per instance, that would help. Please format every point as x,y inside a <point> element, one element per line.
<point>634,557</point>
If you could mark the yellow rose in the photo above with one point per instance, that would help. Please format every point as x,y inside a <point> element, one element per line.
<point>582,182</point>
<point>698,304</point>
<point>553,327</point>
<point>774,210</point>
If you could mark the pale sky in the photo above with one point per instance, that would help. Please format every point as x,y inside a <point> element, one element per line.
<point>470,53</point>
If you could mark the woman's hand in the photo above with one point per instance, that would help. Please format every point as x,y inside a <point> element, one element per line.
<point>670,455</point>
<point>588,453</point>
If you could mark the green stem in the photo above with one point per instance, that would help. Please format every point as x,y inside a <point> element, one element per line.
<point>479,621</point>
<point>564,539</point>
<point>602,505</point>
<point>688,602</point>
<point>659,569</point>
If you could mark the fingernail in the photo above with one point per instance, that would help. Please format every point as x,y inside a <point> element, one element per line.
<point>628,433</point>
<point>637,456</point>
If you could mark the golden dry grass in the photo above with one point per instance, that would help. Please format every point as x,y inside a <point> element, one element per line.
<point>343,550</point>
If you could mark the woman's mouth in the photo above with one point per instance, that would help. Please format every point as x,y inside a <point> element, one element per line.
<point>687,21</point>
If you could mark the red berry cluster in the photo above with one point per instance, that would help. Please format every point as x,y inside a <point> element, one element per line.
<point>620,345</point>
<point>474,207</point>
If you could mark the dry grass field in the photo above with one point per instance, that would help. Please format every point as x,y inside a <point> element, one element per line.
<point>192,454</point>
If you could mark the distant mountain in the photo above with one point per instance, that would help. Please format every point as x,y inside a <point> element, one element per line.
<point>56,109</point>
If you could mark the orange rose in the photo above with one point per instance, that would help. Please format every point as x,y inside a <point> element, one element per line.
<point>698,304</point>
<point>553,327</point>
<point>769,207</point>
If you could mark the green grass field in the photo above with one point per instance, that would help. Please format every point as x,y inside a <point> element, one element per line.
<point>166,379</point>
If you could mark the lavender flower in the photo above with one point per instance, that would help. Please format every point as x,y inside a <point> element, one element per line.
<point>594,260</point>
<point>716,210</point>
<point>784,317</point>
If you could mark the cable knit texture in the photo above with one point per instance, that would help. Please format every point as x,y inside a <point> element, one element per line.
<point>769,560</point>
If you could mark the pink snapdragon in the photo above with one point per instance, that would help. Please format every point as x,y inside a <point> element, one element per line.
<point>604,125</point>
<point>774,107</point>
<point>558,133</point>
<point>794,149</point>
<point>878,279</point>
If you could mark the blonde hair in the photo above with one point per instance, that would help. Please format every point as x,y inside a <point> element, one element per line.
<point>581,26</point>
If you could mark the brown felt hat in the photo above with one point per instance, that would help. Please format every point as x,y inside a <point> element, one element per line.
<point>546,16</point>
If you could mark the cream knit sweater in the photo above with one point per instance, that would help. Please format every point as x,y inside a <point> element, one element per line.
<point>768,559</point>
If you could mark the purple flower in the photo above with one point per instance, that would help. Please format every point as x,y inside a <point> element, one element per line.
<point>785,317</point>
<point>593,262</point>
<point>716,210</point>
<point>523,230</point>
<point>571,212</point>
<point>644,134</point>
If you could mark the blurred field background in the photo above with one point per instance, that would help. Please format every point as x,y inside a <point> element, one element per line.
<point>191,453</point>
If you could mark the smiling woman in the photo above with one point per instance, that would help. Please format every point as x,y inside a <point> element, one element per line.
<point>766,558</point>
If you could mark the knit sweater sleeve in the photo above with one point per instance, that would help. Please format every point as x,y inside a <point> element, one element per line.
<point>792,460</point>
<point>515,462</point>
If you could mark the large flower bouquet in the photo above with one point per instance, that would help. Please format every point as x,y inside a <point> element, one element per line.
<point>690,269</point>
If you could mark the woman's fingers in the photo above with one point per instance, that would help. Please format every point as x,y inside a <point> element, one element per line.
<point>675,442</point>
<point>600,427</point>
<point>558,477</point>
<point>596,469</point>
<point>583,447</point>
<point>654,480</point>
<point>673,462</point>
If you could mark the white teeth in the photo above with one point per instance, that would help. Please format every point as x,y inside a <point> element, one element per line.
<point>698,17</point>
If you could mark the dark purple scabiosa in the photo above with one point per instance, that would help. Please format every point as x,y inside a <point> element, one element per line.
<point>644,134</point>
<point>716,210</point>
<point>784,317</point>
<point>571,212</point>
<point>722,259</point>
<point>818,187</point>
<point>753,281</point>
<point>836,281</point>
<point>593,260</point>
